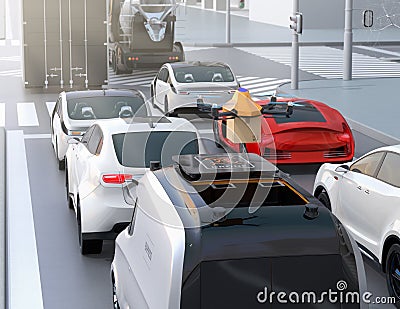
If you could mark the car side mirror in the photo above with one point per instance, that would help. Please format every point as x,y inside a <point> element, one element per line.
<point>342,168</point>
<point>73,141</point>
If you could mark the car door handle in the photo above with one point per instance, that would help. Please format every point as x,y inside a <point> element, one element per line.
<point>366,191</point>
<point>359,187</point>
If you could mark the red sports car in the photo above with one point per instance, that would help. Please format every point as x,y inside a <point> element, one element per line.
<point>312,133</point>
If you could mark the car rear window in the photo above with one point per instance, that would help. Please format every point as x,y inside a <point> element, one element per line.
<point>105,107</point>
<point>302,112</point>
<point>137,149</point>
<point>209,73</point>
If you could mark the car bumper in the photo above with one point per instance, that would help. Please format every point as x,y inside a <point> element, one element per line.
<point>105,213</point>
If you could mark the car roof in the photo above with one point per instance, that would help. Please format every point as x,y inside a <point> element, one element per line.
<point>197,63</point>
<point>393,148</point>
<point>104,92</point>
<point>149,123</point>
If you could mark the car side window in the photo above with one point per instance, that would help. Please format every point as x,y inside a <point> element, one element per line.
<point>163,75</point>
<point>132,223</point>
<point>86,136</point>
<point>94,140</point>
<point>389,171</point>
<point>57,108</point>
<point>368,165</point>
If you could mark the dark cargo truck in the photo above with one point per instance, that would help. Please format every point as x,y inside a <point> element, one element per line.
<point>142,34</point>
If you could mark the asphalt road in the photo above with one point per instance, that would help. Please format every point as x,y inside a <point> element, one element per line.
<point>70,280</point>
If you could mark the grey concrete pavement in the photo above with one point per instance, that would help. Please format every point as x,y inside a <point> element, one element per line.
<point>370,105</point>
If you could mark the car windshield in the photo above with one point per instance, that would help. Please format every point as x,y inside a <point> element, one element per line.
<point>137,149</point>
<point>302,112</point>
<point>105,107</point>
<point>203,73</point>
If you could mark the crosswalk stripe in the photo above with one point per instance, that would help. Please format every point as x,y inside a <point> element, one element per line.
<point>27,116</point>
<point>243,79</point>
<point>2,114</point>
<point>274,83</point>
<point>328,62</point>
<point>50,107</point>
<point>144,84</point>
<point>260,80</point>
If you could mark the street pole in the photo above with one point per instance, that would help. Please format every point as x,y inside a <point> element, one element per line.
<point>295,52</point>
<point>228,22</point>
<point>348,41</point>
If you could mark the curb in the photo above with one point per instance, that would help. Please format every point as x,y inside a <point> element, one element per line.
<point>2,217</point>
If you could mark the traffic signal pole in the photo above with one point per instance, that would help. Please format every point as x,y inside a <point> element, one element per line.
<point>348,41</point>
<point>228,22</point>
<point>295,48</point>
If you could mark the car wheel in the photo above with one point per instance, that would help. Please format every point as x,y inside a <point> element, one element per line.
<point>69,199</point>
<point>324,199</point>
<point>115,298</point>
<point>217,140</point>
<point>92,246</point>
<point>61,163</point>
<point>393,272</point>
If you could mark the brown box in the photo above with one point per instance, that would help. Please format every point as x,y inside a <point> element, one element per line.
<point>244,129</point>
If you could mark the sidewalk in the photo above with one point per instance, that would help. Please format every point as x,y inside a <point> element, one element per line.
<point>369,105</point>
<point>204,27</point>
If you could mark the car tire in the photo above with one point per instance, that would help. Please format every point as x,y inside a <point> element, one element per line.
<point>87,246</point>
<point>61,163</point>
<point>324,199</point>
<point>217,140</point>
<point>392,268</point>
<point>69,199</point>
<point>115,298</point>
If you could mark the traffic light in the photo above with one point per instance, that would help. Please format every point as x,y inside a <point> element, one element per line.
<point>296,23</point>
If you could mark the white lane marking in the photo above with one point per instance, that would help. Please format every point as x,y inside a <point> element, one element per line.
<point>25,288</point>
<point>2,114</point>
<point>381,51</point>
<point>15,43</point>
<point>50,107</point>
<point>37,136</point>
<point>27,116</point>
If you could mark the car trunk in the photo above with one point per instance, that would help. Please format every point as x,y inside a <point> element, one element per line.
<point>307,139</point>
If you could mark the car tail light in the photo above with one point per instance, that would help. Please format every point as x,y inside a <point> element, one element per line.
<point>183,92</point>
<point>344,137</point>
<point>117,179</point>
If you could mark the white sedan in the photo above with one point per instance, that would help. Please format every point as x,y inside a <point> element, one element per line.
<point>102,170</point>
<point>180,86</point>
<point>365,196</point>
<point>75,111</point>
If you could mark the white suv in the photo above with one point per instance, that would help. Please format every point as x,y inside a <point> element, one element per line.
<point>75,111</point>
<point>365,196</point>
<point>102,170</point>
